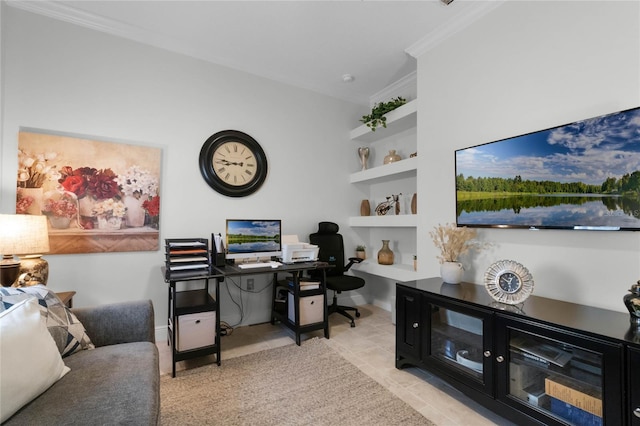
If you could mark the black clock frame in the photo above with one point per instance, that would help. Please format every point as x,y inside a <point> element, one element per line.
<point>207,167</point>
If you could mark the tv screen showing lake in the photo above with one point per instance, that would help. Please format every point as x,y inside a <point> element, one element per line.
<point>581,175</point>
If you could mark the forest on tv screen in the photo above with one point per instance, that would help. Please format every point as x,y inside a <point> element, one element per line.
<point>628,185</point>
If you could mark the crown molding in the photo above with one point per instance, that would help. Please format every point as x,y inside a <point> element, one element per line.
<point>78,17</point>
<point>406,87</point>
<point>453,26</point>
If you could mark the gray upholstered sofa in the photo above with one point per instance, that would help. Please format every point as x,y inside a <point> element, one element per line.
<point>118,382</point>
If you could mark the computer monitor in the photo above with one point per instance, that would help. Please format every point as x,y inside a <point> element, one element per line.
<point>253,238</point>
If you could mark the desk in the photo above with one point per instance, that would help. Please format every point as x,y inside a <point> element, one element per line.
<point>199,301</point>
<point>296,270</point>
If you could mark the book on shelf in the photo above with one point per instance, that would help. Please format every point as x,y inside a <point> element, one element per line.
<point>543,351</point>
<point>306,284</point>
<point>580,395</point>
<point>573,414</point>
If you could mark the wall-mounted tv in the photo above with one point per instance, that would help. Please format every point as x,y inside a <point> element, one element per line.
<point>582,175</point>
<point>253,238</point>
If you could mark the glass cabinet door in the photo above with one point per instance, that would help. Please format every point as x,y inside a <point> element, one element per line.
<point>561,377</point>
<point>457,343</point>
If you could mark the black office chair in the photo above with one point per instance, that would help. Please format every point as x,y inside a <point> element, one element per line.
<point>332,251</point>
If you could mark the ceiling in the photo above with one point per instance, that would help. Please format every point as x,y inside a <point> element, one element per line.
<point>308,44</point>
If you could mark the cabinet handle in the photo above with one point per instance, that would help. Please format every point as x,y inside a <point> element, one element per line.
<point>415,325</point>
<point>487,354</point>
<point>636,412</point>
<point>500,358</point>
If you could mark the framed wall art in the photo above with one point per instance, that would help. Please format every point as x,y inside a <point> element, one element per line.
<point>98,196</point>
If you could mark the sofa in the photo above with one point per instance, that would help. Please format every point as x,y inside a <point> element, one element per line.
<point>114,381</point>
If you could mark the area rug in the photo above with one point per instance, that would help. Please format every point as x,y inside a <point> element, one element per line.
<point>292,385</point>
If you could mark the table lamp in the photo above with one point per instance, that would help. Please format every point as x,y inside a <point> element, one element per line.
<point>28,237</point>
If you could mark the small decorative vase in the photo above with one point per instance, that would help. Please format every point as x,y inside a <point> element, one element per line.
<point>451,272</point>
<point>365,208</point>
<point>363,152</point>
<point>392,157</point>
<point>385,255</point>
<point>361,254</point>
<point>59,222</point>
<point>135,212</point>
<point>85,205</point>
<point>37,195</point>
<point>414,203</point>
<point>110,224</point>
<point>632,302</point>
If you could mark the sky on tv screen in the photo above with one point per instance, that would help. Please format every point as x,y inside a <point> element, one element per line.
<point>587,151</point>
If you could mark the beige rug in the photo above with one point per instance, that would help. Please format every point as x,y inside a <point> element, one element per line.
<point>293,385</point>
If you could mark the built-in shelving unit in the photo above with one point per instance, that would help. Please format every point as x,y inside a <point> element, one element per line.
<point>406,167</point>
<point>398,120</point>
<point>397,272</point>
<point>377,181</point>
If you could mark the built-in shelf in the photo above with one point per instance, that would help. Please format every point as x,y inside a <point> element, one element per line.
<point>408,166</point>
<point>399,221</point>
<point>396,272</point>
<point>398,120</point>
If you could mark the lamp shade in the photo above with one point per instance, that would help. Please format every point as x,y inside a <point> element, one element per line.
<point>23,234</point>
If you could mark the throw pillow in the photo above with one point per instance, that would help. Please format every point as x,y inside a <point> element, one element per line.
<point>31,362</point>
<point>65,328</point>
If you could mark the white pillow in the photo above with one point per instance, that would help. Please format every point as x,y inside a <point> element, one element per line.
<point>29,359</point>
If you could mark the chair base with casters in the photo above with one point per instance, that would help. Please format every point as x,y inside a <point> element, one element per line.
<point>331,250</point>
<point>342,310</point>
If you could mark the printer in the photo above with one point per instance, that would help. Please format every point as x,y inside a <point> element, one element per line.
<point>294,251</point>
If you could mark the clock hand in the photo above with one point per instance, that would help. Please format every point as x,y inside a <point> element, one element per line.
<point>225,162</point>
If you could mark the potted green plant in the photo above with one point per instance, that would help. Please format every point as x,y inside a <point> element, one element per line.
<point>361,252</point>
<point>377,118</point>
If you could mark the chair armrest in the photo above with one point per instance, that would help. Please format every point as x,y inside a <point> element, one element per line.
<point>352,260</point>
<point>116,323</point>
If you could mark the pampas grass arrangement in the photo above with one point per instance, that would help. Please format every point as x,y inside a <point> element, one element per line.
<point>453,241</point>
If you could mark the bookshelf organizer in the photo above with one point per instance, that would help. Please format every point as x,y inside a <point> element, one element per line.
<point>193,314</point>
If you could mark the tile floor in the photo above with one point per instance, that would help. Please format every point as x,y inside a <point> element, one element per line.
<point>371,347</point>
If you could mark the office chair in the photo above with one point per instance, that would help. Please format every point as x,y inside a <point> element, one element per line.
<point>331,250</point>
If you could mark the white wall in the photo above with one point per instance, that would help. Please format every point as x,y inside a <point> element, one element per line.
<point>526,66</point>
<point>65,78</point>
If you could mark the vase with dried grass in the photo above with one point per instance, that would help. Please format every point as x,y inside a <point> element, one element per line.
<point>453,242</point>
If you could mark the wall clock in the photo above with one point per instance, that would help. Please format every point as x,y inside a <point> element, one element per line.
<point>508,282</point>
<point>233,163</point>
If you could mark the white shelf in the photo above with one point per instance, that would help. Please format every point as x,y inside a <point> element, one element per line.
<point>408,166</point>
<point>397,272</point>
<point>399,221</point>
<point>398,120</point>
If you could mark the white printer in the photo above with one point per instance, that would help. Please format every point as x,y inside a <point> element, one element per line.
<point>295,251</point>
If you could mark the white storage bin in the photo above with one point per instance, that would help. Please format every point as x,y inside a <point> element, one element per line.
<point>196,330</point>
<point>311,309</point>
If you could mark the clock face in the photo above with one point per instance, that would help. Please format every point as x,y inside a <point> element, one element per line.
<point>508,282</point>
<point>233,163</point>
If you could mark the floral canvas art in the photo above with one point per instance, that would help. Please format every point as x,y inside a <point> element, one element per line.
<point>98,195</point>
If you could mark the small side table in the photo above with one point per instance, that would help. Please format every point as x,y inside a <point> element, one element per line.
<point>66,297</point>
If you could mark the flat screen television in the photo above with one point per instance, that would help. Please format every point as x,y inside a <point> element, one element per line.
<point>582,175</point>
<point>253,238</point>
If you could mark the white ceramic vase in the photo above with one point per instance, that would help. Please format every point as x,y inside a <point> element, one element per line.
<point>135,211</point>
<point>451,272</point>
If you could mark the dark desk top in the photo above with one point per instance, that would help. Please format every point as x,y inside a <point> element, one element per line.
<point>232,270</point>
<point>589,319</point>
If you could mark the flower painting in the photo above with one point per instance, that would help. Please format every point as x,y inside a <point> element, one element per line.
<point>97,195</point>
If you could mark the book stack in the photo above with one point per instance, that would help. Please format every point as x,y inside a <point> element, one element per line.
<point>187,257</point>
<point>574,401</point>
